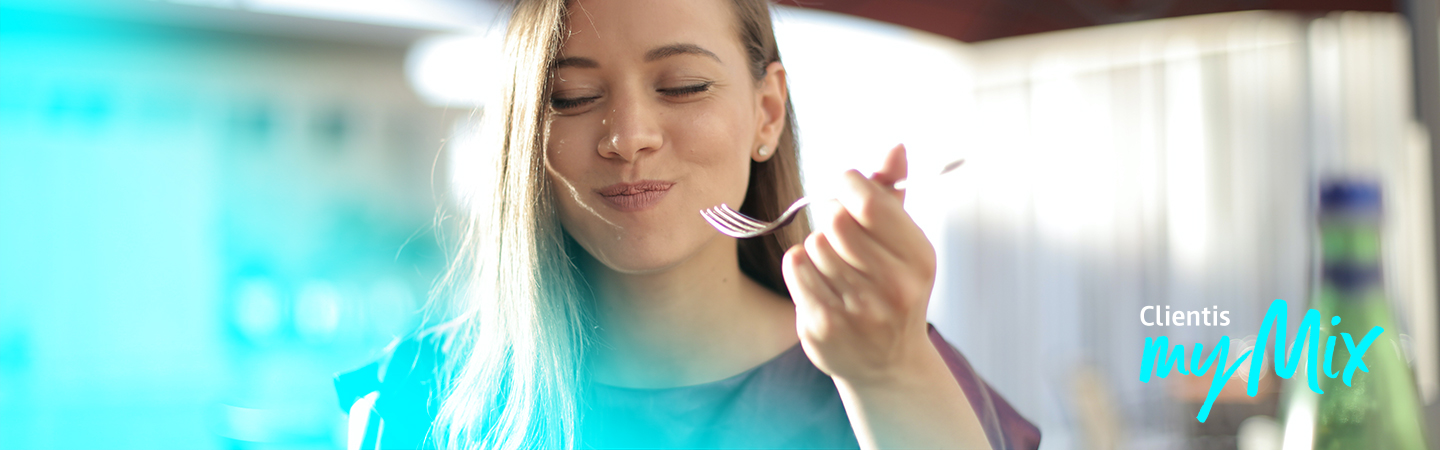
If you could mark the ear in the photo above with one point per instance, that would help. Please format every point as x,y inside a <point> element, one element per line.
<point>770,105</point>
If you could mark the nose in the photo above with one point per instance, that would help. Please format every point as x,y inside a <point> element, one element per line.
<point>632,126</point>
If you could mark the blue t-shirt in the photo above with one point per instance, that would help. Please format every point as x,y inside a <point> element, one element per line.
<point>784,403</point>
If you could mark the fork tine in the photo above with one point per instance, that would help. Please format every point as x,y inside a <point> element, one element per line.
<point>740,217</point>
<point>718,214</point>
<point>727,215</point>
<point>717,220</point>
<point>722,227</point>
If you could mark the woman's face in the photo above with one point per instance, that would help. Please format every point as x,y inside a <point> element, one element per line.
<point>656,117</point>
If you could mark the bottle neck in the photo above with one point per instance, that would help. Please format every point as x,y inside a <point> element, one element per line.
<point>1350,254</point>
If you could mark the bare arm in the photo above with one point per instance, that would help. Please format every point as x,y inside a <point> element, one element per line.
<point>923,409</point>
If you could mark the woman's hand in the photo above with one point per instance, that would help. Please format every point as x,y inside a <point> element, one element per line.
<point>861,284</point>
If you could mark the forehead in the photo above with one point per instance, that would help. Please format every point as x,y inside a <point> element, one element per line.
<point>629,28</point>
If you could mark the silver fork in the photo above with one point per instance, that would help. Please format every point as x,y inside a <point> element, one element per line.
<point>734,224</point>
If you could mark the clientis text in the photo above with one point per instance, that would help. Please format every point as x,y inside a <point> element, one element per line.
<point>1158,360</point>
<point>1183,318</point>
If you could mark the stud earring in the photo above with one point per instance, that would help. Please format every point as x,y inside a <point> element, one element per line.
<point>764,151</point>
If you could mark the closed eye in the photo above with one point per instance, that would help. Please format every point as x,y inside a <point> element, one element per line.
<point>684,91</point>
<point>561,104</point>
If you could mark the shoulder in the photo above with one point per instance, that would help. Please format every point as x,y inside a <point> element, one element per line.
<point>402,389</point>
<point>1005,427</point>
<point>406,363</point>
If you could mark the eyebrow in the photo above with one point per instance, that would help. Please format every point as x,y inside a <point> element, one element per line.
<point>653,55</point>
<point>679,49</point>
<point>576,61</point>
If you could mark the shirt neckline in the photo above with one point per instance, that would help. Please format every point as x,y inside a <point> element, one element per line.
<point>727,380</point>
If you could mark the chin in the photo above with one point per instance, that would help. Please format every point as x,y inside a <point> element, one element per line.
<point>641,259</point>
<point>643,255</point>
<point>645,242</point>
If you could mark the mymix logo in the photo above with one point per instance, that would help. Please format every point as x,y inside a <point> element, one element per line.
<point>1159,360</point>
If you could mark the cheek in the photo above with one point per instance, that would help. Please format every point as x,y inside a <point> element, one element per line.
<point>571,144</point>
<point>570,152</point>
<point>567,164</point>
<point>717,146</point>
<point>564,165</point>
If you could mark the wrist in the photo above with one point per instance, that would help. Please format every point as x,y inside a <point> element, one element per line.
<point>917,406</point>
<point>920,368</point>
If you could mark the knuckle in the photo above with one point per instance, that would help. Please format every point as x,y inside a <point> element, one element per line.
<point>794,255</point>
<point>869,207</point>
<point>812,242</point>
<point>927,264</point>
<point>928,261</point>
<point>840,220</point>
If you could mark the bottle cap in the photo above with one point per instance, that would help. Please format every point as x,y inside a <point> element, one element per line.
<point>1350,197</point>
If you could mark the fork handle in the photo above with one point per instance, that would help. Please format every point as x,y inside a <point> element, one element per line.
<point>926,179</point>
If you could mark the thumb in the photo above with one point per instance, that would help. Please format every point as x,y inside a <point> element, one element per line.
<point>894,169</point>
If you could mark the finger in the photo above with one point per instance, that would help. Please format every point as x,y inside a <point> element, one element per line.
<point>808,287</point>
<point>881,215</point>
<point>838,273</point>
<point>894,169</point>
<point>857,247</point>
<point>818,211</point>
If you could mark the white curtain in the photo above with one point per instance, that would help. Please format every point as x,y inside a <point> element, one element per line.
<point>1168,163</point>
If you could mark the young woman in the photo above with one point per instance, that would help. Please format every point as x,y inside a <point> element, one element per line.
<point>595,308</point>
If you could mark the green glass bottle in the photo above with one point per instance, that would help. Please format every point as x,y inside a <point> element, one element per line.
<point>1380,409</point>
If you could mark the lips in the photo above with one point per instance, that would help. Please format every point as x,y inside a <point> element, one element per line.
<point>637,196</point>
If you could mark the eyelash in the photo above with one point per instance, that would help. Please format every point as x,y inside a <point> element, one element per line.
<point>684,91</point>
<point>688,90</point>
<point>567,103</point>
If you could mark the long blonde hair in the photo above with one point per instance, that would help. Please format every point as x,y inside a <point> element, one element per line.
<point>519,308</point>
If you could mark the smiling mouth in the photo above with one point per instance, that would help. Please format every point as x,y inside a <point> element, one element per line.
<point>637,196</point>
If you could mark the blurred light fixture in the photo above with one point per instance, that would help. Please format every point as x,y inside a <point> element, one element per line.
<point>415,14</point>
<point>456,70</point>
<point>1259,433</point>
<point>317,311</point>
<point>257,309</point>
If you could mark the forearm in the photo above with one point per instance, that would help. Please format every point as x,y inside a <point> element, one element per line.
<point>925,408</point>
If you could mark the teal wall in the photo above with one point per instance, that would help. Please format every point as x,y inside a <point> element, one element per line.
<point>197,229</point>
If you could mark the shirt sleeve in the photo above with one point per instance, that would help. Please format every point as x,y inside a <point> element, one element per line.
<point>406,381</point>
<point>1005,428</point>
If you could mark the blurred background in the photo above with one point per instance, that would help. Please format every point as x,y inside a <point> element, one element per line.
<point>210,207</point>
